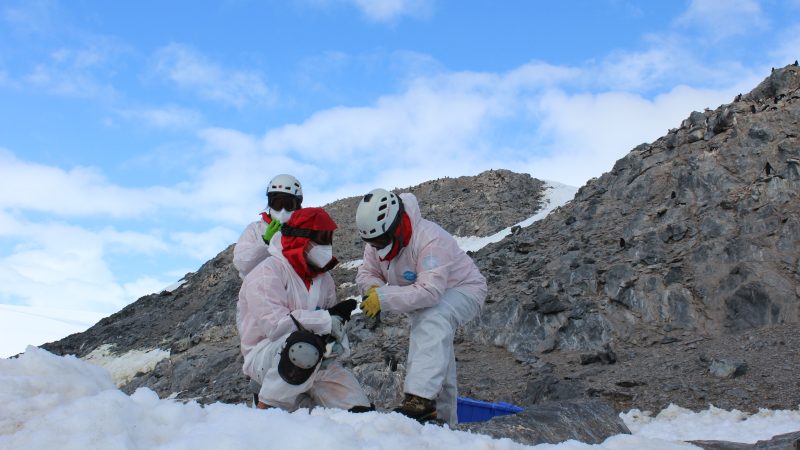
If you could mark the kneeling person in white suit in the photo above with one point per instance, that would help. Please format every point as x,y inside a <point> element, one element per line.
<point>414,266</point>
<point>290,325</point>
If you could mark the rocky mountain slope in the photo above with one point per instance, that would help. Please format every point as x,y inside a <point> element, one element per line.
<point>673,278</point>
<point>689,243</point>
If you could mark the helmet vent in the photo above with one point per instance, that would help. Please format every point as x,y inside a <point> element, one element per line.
<point>381,216</point>
<point>367,197</point>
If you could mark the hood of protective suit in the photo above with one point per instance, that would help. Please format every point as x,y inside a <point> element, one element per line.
<point>411,216</point>
<point>293,247</point>
<point>411,206</point>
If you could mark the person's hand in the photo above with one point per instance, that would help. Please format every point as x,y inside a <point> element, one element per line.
<point>371,304</point>
<point>272,228</point>
<point>343,309</point>
<point>337,328</point>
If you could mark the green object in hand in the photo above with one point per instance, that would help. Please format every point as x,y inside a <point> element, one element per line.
<point>272,228</point>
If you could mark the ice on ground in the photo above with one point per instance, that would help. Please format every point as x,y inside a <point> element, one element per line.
<point>124,367</point>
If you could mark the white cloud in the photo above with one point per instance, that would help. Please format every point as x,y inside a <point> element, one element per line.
<point>143,286</point>
<point>35,16</point>
<point>130,242</point>
<point>168,117</point>
<point>77,72</point>
<point>720,19</point>
<point>4,79</point>
<point>74,192</point>
<point>668,60</point>
<point>55,263</point>
<point>788,49</point>
<point>69,273</point>
<point>205,245</point>
<point>645,69</point>
<point>577,129</point>
<point>191,70</point>
<point>434,118</point>
<point>385,11</point>
<point>453,124</point>
<point>68,82</point>
<point>388,10</point>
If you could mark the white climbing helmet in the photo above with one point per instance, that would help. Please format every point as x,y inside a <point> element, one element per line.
<point>286,184</point>
<point>376,213</point>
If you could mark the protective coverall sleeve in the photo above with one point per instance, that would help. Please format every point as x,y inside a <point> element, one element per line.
<point>328,289</point>
<point>250,249</point>
<point>369,272</point>
<point>269,305</point>
<point>433,271</point>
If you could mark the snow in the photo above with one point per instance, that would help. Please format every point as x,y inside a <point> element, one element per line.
<point>30,325</point>
<point>175,285</point>
<point>675,422</point>
<point>556,195</point>
<point>124,367</point>
<point>60,402</point>
<point>351,264</point>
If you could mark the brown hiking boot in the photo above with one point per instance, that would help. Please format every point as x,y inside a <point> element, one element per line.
<point>262,405</point>
<point>418,408</point>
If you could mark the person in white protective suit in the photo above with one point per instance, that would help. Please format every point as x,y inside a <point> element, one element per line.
<point>284,196</point>
<point>290,325</point>
<point>414,266</point>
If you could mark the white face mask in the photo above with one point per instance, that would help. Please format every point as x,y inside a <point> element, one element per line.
<point>283,215</point>
<point>383,252</point>
<point>320,255</point>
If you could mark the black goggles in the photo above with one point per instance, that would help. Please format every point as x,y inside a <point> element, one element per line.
<point>280,200</point>
<point>320,237</point>
<point>380,241</point>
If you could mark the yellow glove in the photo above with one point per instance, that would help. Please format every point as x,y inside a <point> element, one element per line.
<point>370,303</point>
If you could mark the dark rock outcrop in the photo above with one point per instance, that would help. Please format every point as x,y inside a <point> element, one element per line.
<point>698,231</point>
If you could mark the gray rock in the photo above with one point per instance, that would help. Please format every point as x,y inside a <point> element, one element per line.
<point>788,441</point>
<point>725,368</point>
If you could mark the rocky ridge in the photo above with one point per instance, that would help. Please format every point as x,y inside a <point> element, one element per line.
<point>689,243</point>
<point>459,205</point>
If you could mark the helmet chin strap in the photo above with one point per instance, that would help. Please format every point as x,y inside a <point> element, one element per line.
<point>384,252</point>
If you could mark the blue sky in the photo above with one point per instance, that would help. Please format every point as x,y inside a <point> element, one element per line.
<point>136,138</point>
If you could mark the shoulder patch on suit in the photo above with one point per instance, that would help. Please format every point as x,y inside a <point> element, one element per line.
<point>430,262</point>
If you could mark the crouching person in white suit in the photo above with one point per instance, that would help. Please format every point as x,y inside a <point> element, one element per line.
<point>284,196</point>
<point>290,325</point>
<point>414,266</point>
